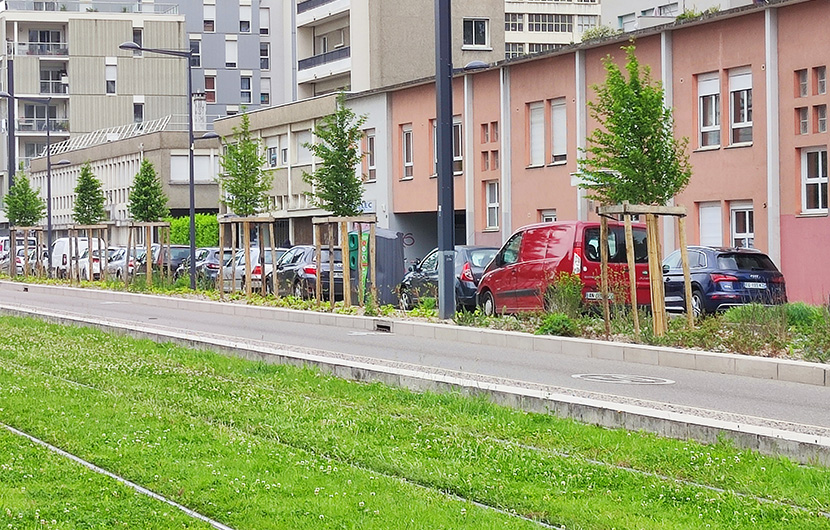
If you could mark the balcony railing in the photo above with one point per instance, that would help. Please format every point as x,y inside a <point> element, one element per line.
<point>302,7</point>
<point>323,58</point>
<point>53,87</point>
<point>39,124</point>
<point>76,6</point>
<point>40,48</point>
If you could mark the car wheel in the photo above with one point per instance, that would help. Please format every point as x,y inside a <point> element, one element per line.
<point>299,291</point>
<point>405,300</point>
<point>697,303</point>
<point>488,304</point>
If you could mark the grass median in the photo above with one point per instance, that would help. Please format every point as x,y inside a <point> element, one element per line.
<point>264,446</point>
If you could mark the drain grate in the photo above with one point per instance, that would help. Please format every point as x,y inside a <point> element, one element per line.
<point>624,379</point>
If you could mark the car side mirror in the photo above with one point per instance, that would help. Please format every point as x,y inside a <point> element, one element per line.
<point>665,269</point>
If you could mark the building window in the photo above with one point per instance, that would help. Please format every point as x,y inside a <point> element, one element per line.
<point>814,179</point>
<point>303,139</point>
<point>801,121</point>
<point>494,131</point>
<point>138,38</point>
<point>406,151</point>
<point>627,22</point>
<point>586,22</point>
<point>457,148</point>
<point>492,198</point>
<point>476,32</point>
<point>195,53</point>
<point>743,225</point>
<point>559,131</point>
<point>708,89</point>
<point>536,47</point>
<point>485,160</point>
<point>245,89</point>
<point>801,83</point>
<point>536,133</point>
<point>494,160</point>
<point>514,22</point>
<point>210,89</point>
<point>209,18</point>
<point>138,112</point>
<point>283,150</point>
<point>540,23</point>
<point>485,133</point>
<point>740,97</point>
<point>820,74</point>
<point>821,118</point>
<point>231,53</point>
<point>547,216</point>
<point>668,10</point>
<point>273,154</point>
<point>110,71</point>
<point>369,151</point>
<point>264,56</point>
<point>244,19</point>
<point>513,49</point>
<point>264,20</point>
<point>265,91</point>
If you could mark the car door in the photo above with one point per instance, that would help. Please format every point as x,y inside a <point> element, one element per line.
<point>502,279</point>
<point>425,276</point>
<point>530,274</point>
<point>673,282</point>
<point>284,273</point>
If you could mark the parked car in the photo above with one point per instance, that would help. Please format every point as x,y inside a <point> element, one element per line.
<point>207,263</point>
<point>422,278</point>
<point>5,246</point>
<point>161,258</point>
<point>722,278</point>
<point>118,262</point>
<point>518,277</point>
<point>20,261</point>
<point>64,248</point>
<point>296,272</point>
<point>83,262</point>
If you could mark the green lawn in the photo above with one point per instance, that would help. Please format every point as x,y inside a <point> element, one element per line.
<point>261,446</point>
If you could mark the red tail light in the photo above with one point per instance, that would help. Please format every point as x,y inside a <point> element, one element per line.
<point>63,261</point>
<point>577,265</point>
<point>777,279</point>
<point>723,278</point>
<point>310,270</point>
<point>257,270</point>
<point>94,260</point>
<point>212,266</point>
<point>467,273</point>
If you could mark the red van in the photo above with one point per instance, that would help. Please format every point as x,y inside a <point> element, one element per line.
<point>518,277</point>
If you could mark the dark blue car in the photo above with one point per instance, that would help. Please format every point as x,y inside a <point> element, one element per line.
<point>723,278</point>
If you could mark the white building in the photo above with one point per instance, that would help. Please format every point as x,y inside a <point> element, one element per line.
<point>532,26</point>
<point>628,15</point>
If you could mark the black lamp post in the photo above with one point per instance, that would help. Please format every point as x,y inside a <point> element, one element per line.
<point>188,55</point>
<point>43,101</point>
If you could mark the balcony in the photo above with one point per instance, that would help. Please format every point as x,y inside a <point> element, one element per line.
<point>324,58</point>
<point>302,7</point>
<point>53,87</point>
<point>58,125</point>
<point>52,49</point>
<point>76,6</point>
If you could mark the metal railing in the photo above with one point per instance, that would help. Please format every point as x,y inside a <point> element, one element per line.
<point>323,58</point>
<point>53,87</point>
<point>308,5</point>
<point>39,124</point>
<point>40,48</point>
<point>90,7</point>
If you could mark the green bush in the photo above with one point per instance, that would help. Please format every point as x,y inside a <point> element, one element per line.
<point>207,230</point>
<point>801,315</point>
<point>558,324</point>
<point>756,328</point>
<point>564,295</point>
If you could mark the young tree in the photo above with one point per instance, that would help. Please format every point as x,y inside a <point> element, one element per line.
<point>89,198</point>
<point>148,203</point>
<point>633,155</point>
<point>245,185</point>
<point>24,207</point>
<point>336,186</point>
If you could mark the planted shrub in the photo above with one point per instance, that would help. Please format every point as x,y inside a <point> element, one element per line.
<point>801,315</point>
<point>564,295</point>
<point>558,324</point>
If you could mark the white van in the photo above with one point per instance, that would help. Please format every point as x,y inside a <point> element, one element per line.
<point>63,250</point>
<point>5,246</point>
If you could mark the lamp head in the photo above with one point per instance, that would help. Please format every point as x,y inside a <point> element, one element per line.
<point>209,135</point>
<point>475,65</point>
<point>129,46</point>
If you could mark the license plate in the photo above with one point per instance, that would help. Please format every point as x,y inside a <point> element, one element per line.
<point>595,295</point>
<point>755,285</point>
<point>338,274</point>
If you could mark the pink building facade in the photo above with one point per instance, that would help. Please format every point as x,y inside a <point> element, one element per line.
<point>748,87</point>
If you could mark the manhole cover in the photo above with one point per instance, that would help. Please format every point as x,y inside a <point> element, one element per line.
<point>624,379</point>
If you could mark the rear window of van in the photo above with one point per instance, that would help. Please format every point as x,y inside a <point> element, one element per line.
<point>616,245</point>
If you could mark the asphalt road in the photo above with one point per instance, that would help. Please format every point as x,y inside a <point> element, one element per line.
<point>755,399</point>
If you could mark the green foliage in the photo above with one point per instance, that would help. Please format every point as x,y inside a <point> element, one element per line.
<point>558,324</point>
<point>801,315</point>
<point>693,13</point>
<point>336,186</point>
<point>427,307</point>
<point>564,295</point>
<point>633,155</point>
<point>148,203</point>
<point>207,230</point>
<point>599,32</point>
<point>24,207</point>
<point>756,328</point>
<point>245,184</point>
<point>89,198</point>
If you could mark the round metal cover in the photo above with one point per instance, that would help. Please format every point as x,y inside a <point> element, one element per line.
<point>624,379</point>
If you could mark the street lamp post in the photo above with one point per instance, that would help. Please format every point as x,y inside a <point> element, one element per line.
<point>46,102</point>
<point>188,55</point>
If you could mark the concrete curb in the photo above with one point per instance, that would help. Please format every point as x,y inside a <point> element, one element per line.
<point>715,362</point>
<point>804,448</point>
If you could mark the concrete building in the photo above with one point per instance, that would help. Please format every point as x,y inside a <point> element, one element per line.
<point>628,15</point>
<point>533,27</point>
<point>115,157</point>
<point>365,44</point>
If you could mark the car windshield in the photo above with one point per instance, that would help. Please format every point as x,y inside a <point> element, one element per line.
<point>479,258</point>
<point>179,253</point>
<point>746,262</point>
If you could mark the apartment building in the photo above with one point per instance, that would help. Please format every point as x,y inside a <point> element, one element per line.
<point>628,15</point>
<point>364,44</point>
<point>531,26</point>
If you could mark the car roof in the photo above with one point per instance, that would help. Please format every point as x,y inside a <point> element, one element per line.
<point>726,249</point>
